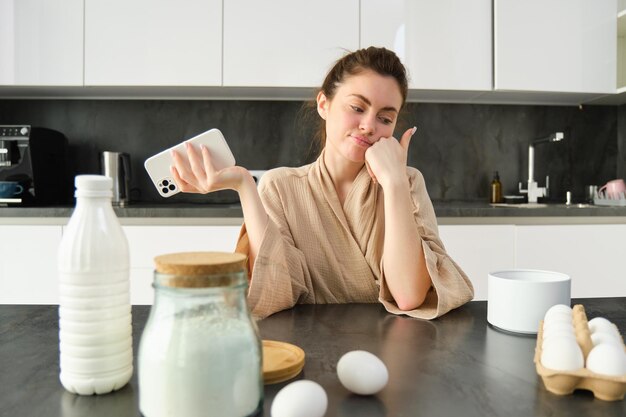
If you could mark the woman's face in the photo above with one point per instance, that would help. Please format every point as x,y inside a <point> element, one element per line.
<point>364,109</point>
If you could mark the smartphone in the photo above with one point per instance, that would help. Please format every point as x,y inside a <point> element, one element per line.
<point>158,166</point>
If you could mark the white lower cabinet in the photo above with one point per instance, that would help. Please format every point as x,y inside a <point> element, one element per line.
<point>28,257</point>
<point>480,249</point>
<point>592,255</point>
<point>28,264</point>
<point>146,242</point>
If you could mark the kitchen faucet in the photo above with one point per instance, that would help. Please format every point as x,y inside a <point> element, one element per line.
<point>533,190</point>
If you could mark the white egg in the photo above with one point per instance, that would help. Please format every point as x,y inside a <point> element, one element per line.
<point>558,310</point>
<point>558,334</point>
<point>562,355</point>
<point>559,317</point>
<point>557,326</point>
<point>362,372</point>
<point>607,359</point>
<point>600,324</point>
<point>300,399</point>
<point>600,337</point>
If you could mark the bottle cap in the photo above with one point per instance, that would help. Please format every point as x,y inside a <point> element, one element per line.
<point>93,186</point>
<point>93,182</point>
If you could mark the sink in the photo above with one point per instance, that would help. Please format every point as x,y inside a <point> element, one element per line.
<point>523,205</point>
<point>542,205</point>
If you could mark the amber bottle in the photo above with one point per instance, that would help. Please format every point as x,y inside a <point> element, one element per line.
<point>496,189</point>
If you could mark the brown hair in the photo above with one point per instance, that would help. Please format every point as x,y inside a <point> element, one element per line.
<point>380,60</point>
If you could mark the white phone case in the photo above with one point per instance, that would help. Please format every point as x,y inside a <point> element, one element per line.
<point>158,166</point>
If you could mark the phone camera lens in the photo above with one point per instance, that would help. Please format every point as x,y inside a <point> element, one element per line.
<point>172,187</point>
<point>165,183</point>
<point>165,190</point>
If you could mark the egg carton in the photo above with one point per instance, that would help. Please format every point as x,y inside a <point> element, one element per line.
<point>604,387</point>
<point>603,199</point>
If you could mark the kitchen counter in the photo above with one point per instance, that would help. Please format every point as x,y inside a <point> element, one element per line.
<point>457,365</point>
<point>448,212</point>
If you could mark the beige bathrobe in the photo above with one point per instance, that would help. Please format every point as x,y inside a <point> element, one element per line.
<point>316,251</point>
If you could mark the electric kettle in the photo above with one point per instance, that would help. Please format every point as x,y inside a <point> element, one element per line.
<point>116,165</point>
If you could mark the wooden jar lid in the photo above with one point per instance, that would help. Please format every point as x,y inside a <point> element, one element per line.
<point>194,269</point>
<point>281,361</point>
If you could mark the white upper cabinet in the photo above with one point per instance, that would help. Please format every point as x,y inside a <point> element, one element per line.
<point>445,44</point>
<point>558,52</point>
<point>555,45</point>
<point>153,42</point>
<point>41,42</point>
<point>286,43</point>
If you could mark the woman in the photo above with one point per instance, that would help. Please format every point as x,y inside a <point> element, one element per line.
<point>356,225</point>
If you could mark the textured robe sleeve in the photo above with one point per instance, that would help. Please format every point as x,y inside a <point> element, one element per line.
<point>279,277</point>
<point>450,288</point>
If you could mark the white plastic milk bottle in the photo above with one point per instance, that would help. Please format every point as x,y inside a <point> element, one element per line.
<point>94,310</point>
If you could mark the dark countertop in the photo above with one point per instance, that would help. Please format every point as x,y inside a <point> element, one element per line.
<point>456,365</point>
<point>144,210</point>
<point>443,209</point>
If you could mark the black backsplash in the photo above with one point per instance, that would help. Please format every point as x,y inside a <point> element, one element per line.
<point>621,142</point>
<point>457,146</point>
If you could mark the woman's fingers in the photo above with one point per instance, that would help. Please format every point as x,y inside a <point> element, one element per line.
<point>198,175</point>
<point>195,174</point>
<point>406,137</point>
<point>196,162</point>
<point>387,157</point>
<point>206,159</point>
<point>183,173</point>
<point>181,165</point>
<point>181,183</point>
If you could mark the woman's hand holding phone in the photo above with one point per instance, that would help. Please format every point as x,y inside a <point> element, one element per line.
<point>196,174</point>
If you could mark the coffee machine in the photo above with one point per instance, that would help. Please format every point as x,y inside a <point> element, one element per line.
<point>36,159</point>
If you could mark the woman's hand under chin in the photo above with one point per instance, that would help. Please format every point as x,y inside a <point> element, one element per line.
<point>386,159</point>
<point>197,175</point>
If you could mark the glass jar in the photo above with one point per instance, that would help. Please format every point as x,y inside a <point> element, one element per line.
<point>200,353</point>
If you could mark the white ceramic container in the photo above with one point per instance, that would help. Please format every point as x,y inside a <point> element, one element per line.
<point>518,299</point>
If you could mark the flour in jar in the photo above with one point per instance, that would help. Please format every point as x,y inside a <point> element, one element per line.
<point>199,366</point>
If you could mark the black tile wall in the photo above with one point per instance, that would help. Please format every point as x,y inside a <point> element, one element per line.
<point>457,146</point>
<point>621,142</point>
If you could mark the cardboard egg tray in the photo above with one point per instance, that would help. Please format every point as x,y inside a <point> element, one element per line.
<point>604,387</point>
